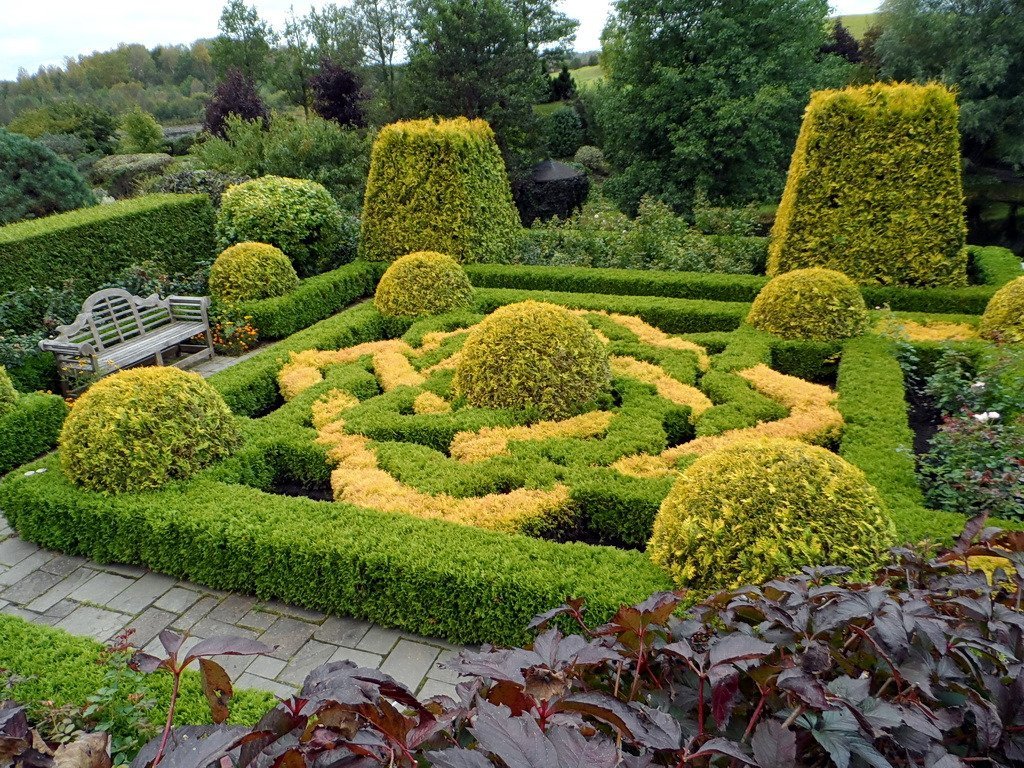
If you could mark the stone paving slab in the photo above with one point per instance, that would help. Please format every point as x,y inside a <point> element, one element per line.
<point>99,601</point>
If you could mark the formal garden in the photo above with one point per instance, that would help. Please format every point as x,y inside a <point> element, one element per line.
<point>742,486</point>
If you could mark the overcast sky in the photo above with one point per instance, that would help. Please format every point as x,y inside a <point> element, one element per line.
<point>38,32</point>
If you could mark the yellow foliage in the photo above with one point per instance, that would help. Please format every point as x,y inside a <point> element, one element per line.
<point>428,402</point>
<point>393,369</point>
<point>493,441</point>
<point>667,387</point>
<point>294,379</point>
<point>648,334</point>
<point>813,418</point>
<point>933,331</point>
<point>330,407</point>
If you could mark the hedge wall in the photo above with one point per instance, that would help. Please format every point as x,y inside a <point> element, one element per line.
<point>438,185</point>
<point>49,665</point>
<point>733,288</point>
<point>993,265</point>
<point>91,245</point>
<point>31,429</point>
<point>315,299</point>
<point>874,188</point>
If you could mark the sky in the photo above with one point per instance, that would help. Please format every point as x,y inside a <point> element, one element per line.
<point>42,32</point>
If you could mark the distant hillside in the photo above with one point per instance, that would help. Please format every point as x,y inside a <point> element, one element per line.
<point>858,23</point>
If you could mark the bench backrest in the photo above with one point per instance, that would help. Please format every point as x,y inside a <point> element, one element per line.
<point>113,316</point>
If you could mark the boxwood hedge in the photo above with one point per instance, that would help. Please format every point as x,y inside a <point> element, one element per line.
<point>91,245</point>
<point>30,429</point>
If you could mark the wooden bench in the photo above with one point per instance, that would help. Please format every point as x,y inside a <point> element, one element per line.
<point>116,330</point>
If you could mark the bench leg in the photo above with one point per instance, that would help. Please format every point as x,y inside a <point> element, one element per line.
<point>159,358</point>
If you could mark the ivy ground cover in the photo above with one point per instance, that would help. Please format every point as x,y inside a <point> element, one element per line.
<point>462,522</point>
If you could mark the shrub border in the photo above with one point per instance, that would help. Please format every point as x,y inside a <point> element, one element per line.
<point>30,429</point>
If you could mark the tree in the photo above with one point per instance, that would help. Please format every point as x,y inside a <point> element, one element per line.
<point>294,68</point>
<point>869,57</point>
<point>338,94</point>
<point>843,44</point>
<point>35,182</point>
<point>469,57</point>
<point>244,42</point>
<point>975,47</point>
<point>140,132</point>
<point>336,35</point>
<point>563,87</point>
<point>546,31</point>
<point>383,25</point>
<point>707,94</point>
<point>236,95</point>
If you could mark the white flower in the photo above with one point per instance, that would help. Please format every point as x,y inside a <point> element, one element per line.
<point>978,386</point>
<point>985,418</point>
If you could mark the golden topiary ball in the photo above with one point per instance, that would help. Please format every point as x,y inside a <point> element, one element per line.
<point>815,304</point>
<point>250,271</point>
<point>8,394</point>
<point>533,355</point>
<point>423,284</point>
<point>1004,316</point>
<point>763,509</point>
<point>140,428</point>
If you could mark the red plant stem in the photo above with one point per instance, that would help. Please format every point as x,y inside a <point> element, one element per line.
<point>793,716</point>
<point>754,718</point>
<point>170,718</point>
<point>700,706</point>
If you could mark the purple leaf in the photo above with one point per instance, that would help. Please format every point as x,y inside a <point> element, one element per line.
<point>723,747</point>
<point>723,699</point>
<point>228,646</point>
<point>808,689</point>
<point>575,751</point>
<point>517,741</point>
<point>459,758</point>
<point>774,745</point>
<point>146,663</point>
<point>171,641</point>
<point>738,647</point>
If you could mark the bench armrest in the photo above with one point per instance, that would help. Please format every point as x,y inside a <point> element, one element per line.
<point>191,308</point>
<point>83,349</point>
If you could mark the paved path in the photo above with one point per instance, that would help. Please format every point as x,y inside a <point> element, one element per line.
<point>99,601</point>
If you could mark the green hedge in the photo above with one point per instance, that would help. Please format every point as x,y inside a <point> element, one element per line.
<point>50,665</point>
<point>91,245</point>
<point>874,188</point>
<point>250,388</point>
<point>878,439</point>
<point>430,577</point>
<point>717,287</point>
<point>315,299</point>
<point>31,429</point>
<point>992,265</point>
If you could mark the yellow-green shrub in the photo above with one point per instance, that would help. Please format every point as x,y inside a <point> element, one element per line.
<point>140,428</point>
<point>874,188</point>
<point>300,217</point>
<point>764,509</point>
<point>251,271</point>
<point>1004,316</point>
<point>438,185</point>
<point>8,395</point>
<point>533,354</point>
<point>421,284</point>
<point>818,304</point>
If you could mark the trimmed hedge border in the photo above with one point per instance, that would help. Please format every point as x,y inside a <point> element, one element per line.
<point>993,266</point>
<point>52,665</point>
<point>315,299</point>
<point>91,245</point>
<point>429,576</point>
<point>30,429</point>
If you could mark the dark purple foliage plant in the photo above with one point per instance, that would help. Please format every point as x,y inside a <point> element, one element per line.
<point>236,95</point>
<point>338,94</point>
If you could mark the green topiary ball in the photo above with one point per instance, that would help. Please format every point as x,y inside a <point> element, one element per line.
<point>817,304</point>
<point>299,217</point>
<point>421,284</point>
<point>533,354</point>
<point>140,428</point>
<point>438,185</point>
<point>8,394</point>
<point>250,271</point>
<point>764,509</point>
<point>1004,316</point>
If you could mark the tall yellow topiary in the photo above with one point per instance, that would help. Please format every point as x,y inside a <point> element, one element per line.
<point>438,185</point>
<point>8,394</point>
<point>533,355</point>
<point>874,188</point>
<point>764,509</point>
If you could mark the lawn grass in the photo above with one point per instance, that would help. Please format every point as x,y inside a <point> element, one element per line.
<point>858,23</point>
